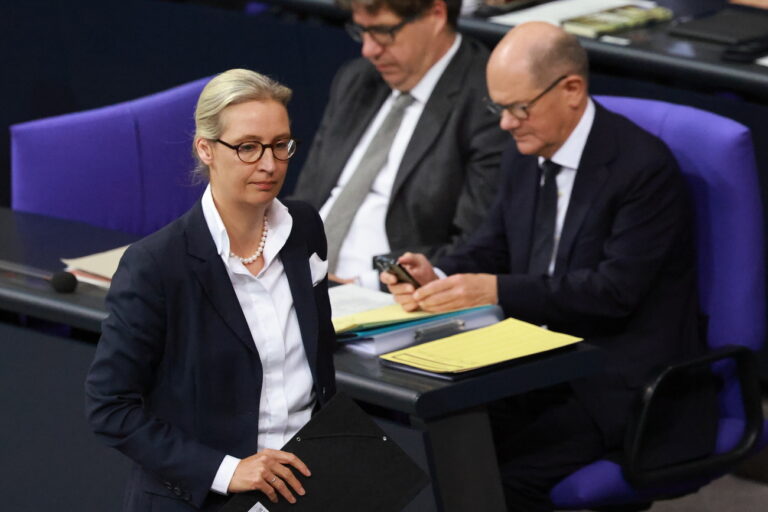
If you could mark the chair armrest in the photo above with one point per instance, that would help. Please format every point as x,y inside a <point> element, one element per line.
<point>747,369</point>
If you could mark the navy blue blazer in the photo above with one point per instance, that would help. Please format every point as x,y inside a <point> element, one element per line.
<point>624,275</point>
<point>175,383</point>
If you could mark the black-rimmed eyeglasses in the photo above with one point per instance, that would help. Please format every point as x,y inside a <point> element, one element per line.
<point>251,151</point>
<point>521,109</point>
<point>383,35</point>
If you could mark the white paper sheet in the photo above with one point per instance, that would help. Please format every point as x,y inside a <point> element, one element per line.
<point>559,10</point>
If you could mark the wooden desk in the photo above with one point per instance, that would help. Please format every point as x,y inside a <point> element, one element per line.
<point>443,425</point>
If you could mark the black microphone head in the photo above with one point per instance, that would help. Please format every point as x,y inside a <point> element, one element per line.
<point>63,282</point>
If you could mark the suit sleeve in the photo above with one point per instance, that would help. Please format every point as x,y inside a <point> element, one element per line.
<point>487,250</point>
<point>481,143</point>
<point>650,227</point>
<point>124,370</point>
<point>485,142</point>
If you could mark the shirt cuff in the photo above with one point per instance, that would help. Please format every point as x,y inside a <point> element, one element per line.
<point>369,279</point>
<point>440,273</point>
<point>224,475</point>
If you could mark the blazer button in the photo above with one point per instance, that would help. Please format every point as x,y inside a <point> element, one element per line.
<point>177,491</point>
<point>168,484</point>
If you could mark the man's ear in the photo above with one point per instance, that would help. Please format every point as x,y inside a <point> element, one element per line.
<point>440,9</point>
<point>576,89</point>
<point>204,150</point>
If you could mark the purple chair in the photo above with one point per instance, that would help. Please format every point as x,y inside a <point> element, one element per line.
<point>126,166</point>
<point>717,158</point>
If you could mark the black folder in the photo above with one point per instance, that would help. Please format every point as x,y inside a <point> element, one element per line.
<point>355,466</point>
<point>732,25</point>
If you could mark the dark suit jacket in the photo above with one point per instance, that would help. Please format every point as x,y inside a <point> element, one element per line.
<point>449,173</point>
<point>624,274</point>
<point>176,380</point>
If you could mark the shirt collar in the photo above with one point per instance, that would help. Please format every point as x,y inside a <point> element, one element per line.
<point>215,224</point>
<point>569,154</point>
<point>280,225</point>
<point>423,90</point>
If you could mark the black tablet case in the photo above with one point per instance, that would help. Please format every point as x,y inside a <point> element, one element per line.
<point>355,466</point>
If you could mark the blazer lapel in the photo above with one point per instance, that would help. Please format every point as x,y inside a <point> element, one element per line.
<point>590,177</point>
<point>295,258</point>
<point>357,115</point>
<point>436,111</point>
<point>522,206</point>
<point>209,270</point>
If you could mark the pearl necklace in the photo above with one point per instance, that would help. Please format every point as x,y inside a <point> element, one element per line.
<point>254,256</point>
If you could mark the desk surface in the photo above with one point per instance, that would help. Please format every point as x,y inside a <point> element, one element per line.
<point>449,422</point>
<point>426,397</point>
<point>40,241</point>
<point>653,52</point>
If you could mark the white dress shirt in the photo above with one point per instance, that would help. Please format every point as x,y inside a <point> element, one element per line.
<point>267,304</point>
<point>367,234</point>
<point>568,158</point>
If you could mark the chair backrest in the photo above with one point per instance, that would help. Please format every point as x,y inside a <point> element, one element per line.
<point>126,166</point>
<point>717,158</point>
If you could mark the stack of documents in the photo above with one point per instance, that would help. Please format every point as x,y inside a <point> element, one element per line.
<point>369,322</point>
<point>378,317</point>
<point>618,19</point>
<point>349,299</point>
<point>560,10</point>
<point>457,355</point>
<point>97,268</point>
<point>380,336</point>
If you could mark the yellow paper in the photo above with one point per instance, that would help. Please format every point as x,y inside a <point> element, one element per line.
<point>376,317</point>
<point>508,339</point>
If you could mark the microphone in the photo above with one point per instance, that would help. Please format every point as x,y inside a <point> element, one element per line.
<point>61,281</point>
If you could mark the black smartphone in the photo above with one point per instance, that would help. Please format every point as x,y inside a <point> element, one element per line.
<point>387,264</point>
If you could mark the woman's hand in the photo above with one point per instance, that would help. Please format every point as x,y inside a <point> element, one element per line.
<point>268,471</point>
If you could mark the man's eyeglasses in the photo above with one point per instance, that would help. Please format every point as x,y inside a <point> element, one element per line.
<point>520,110</point>
<point>251,151</point>
<point>383,35</point>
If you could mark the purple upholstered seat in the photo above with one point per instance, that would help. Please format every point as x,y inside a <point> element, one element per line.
<point>124,167</point>
<point>717,158</point>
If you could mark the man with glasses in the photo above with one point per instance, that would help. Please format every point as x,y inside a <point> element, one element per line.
<point>406,156</point>
<point>591,235</point>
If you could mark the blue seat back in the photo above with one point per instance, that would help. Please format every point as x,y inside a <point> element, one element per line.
<point>126,166</point>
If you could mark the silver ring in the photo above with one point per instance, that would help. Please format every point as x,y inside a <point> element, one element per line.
<point>273,480</point>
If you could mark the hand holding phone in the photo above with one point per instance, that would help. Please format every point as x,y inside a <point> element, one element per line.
<point>388,264</point>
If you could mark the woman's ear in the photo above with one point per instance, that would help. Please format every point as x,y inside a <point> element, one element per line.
<point>204,150</point>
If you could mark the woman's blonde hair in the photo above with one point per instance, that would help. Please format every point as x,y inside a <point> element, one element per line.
<point>230,88</point>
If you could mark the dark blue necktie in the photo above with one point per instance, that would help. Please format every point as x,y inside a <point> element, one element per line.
<point>544,221</point>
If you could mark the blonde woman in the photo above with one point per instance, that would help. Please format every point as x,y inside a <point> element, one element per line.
<point>217,347</point>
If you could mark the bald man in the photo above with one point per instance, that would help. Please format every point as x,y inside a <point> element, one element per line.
<point>590,234</point>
